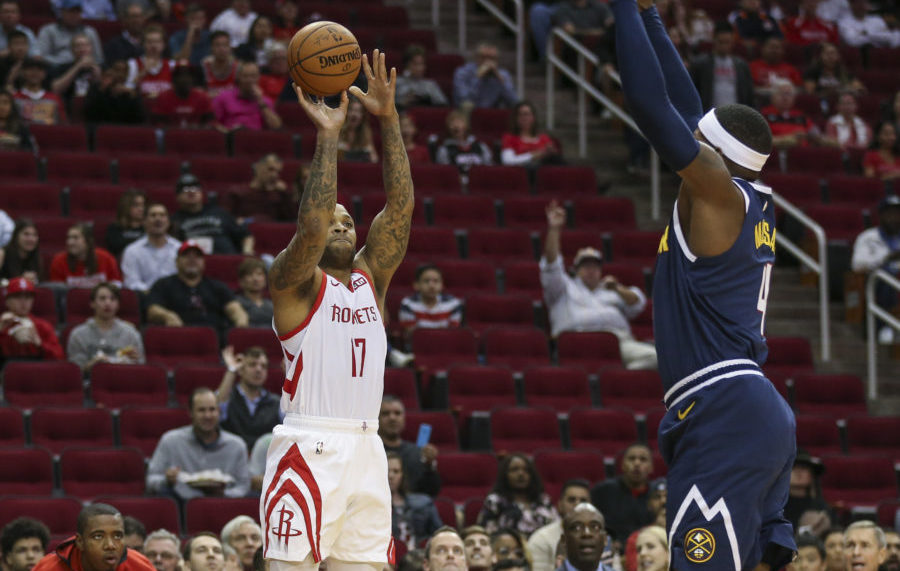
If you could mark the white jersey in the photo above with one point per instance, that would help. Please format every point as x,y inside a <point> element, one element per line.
<point>334,360</point>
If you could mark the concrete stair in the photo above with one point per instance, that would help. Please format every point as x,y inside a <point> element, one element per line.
<point>793,308</point>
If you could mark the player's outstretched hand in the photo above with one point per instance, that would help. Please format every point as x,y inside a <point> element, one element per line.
<point>325,118</point>
<point>644,4</point>
<point>379,99</point>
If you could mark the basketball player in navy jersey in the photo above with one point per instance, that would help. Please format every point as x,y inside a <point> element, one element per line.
<point>325,494</point>
<point>728,437</point>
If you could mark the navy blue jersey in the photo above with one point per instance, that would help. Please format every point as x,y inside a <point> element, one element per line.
<point>712,309</point>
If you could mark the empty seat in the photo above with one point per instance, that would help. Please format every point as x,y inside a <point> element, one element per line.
<point>471,510</point>
<point>78,306</point>
<point>189,378</point>
<point>94,200</point>
<point>871,435</point>
<point>463,211</point>
<point>516,347</point>
<point>497,181</point>
<point>30,199</point>
<point>433,179</point>
<point>801,189</point>
<point>255,144</point>
<point>142,427</point>
<point>559,388</point>
<point>12,427</point>
<point>635,247</point>
<point>58,514</point>
<point>604,214</point>
<point>378,16</point>
<point>566,181</point>
<point>203,514</point>
<point>610,430</point>
<point>401,383</point>
<point>523,278</point>
<point>69,168</point>
<point>89,472</point>
<point>115,386</point>
<point>837,395</point>
<point>589,350</point>
<point>437,349</point>
<point>26,471</point>
<point>243,337</point>
<point>216,174</point>
<point>192,142</point>
<point>119,139</point>
<point>638,390</point>
<point>477,387</point>
<point>58,428</point>
<point>652,420</point>
<point>397,39</point>
<point>432,243</point>
<point>815,160</point>
<point>444,434</point>
<point>67,138</point>
<point>524,429</point>
<point>489,124</point>
<point>465,278</point>
<point>433,120</point>
<point>856,191</point>
<point>858,480</point>
<point>446,509</point>
<point>272,237</point>
<point>18,166</point>
<point>789,356</point>
<point>43,383</point>
<point>818,434</point>
<point>154,513</point>
<point>525,212</point>
<point>557,467</point>
<point>170,346</point>
<point>841,223</point>
<point>490,310</point>
<point>886,513</point>
<point>499,245</point>
<point>147,170</point>
<point>467,474</point>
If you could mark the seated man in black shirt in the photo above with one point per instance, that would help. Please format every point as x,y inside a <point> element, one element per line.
<point>214,229</point>
<point>190,298</point>
<point>623,499</point>
<point>245,407</point>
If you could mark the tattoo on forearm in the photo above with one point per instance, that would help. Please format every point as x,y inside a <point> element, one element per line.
<point>297,262</point>
<point>388,238</point>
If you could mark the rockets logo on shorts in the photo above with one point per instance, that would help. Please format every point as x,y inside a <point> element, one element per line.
<point>285,530</point>
<point>699,545</point>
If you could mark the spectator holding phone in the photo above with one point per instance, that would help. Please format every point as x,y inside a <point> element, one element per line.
<point>419,458</point>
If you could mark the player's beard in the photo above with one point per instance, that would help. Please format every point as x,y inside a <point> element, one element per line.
<point>336,257</point>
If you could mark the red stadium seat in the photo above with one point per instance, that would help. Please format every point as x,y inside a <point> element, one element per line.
<point>223,267</point>
<point>446,508</point>
<point>89,472</point>
<point>70,168</point>
<point>78,306</point>
<point>192,377</point>
<point>378,16</point>
<point>525,212</point>
<point>154,513</point>
<point>26,471</point>
<point>802,189</point>
<point>122,139</point>
<point>471,510</point>
<point>610,430</point>
<point>837,395</point>
<point>216,174</point>
<point>401,383</point>
<point>557,467</point>
<point>359,178</point>
<point>467,474</point>
<point>255,144</point>
<point>630,273</point>
<point>434,179</point>
<point>444,434</point>
<point>490,310</point>
<point>204,514</point>
<point>589,350</point>
<point>171,346</point>
<point>66,138</point>
<point>566,181</point>
<point>855,191</point>
<point>652,420</point>
<point>523,278</point>
<point>43,383</point>
<point>635,247</point>
<point>852,481</point>
<point>58,514</point>
<point>478,387</point>
<point>94,200</point>
<point>489,124</point>
<point>12,427</point>
<point>432,243</point>
<point>437,349</point>
<point>191,142</point>
<point>497,181</point>
<point>515,347</point>
<point>524,429</point>
<point>559,388</point>
<point>397,40</point>
<point>874,435</point>
<point>115,386</point>
<point>243,337</point>
<point>499,245</point>
<point>815,160</point>
<point>818,434</point>
<point>638,390</point>
<point>603,214</point>
<point>272,237</point>
<point>432,120</point>
<point>373,203</point>
<point>52,231</point>
<point>141,427</point>
<point>841,223</point>
<point>789,356</point>
<point>58,428</point>
<point>148,170</point>
<point>886,514</point>
<point>30,199</point>
<point>18,166</point>
<point>463,211</point>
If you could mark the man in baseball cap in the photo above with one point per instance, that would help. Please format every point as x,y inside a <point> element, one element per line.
<point>23,335</point>
<point>213,228</point>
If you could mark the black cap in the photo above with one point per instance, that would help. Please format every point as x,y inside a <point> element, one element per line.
<point>805,459</point>
<point>186,180</point>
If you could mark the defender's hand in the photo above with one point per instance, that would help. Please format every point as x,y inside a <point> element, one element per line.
<point>379,99</point>
<point>325,118</point>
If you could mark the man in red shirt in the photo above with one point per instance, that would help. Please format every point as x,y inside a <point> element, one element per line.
<point>806,28</point>
<point>184,105</point>
<point>22,335</point>
<point>98,545</point>
<point>790,126</point>
<point>771,65</point>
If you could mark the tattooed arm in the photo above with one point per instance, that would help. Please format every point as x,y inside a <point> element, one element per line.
<point>294,278</point>
<point>389,233</point>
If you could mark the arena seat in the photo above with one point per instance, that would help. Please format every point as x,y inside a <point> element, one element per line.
<point>479,387</point>
<point>834,394</point>
<point>67,138</point>
<point>841,223</point>
<point>433,120</point>
<point>590,350</point>
<point>430,242</point>
<point>52,230</point>
<point>629,272</point>
<point>90,472</point>
<point>525,212</point>
<point>444,433</point>
<point>185,143</point>
<point>116,140</point>
<point>216,174</point>
<point>557,467</point>
<point>401,383</point>
<point>148,170</point>
<point>608,429</point>
<point>801,189</point>
<point>223,267</point>
<point>203,514</point>
<point>789,356</point>
<point>73,168</point>
<point>467,474</point>
<point>602,214</point>
<point>820,160</point>
<point>635,246</point>
<point>272,237</point>
<point>515,347</point>
<point>524,429</point>
<point>88,201</point>
<point>863,480</point>
<point>360,178</point>
<point>58,514</point>
<point>256,144</point>
<point>467,277</point>
<point>874,435</point>
<point>472,509</point>
<point>499,245</point>
<point>243,337</point>
<point>26,471</point>
<point>855,191</point>
<point>565,181</point>
<point>189,378</point>
<point>142,427</point>
<point>489,124</point>
<point>30,199</point>
<point>559,388</point>
<point>379,16</point>
<point>439,348</point>
<point>398,39</point>
<point>154,513</point>
<point>18,166</point>
<point>371,203</point>
<point>115,386</point>
<point>886,512</point>
<point>172,346</point>
<point>78,306</point>
<point>652,419</point>
<point>59,428</point>
<point>638,390</point>
<point>12,427</point>
<point>499,181</point>
<point>523,278</point>
<point>446,508</point>
<point>43,383</point>
<point>818,434</point>
<point>463,211</point>
<point>432,179</point>
<point>485,310</point>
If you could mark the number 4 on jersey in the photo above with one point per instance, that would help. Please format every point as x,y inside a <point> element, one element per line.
<point>359,346</point>
<point>763,299</point>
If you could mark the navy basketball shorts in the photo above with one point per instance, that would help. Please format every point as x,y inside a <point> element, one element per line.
<point>730,446</point>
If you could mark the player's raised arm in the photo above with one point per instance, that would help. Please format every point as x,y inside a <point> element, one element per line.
<point>293,276</point>
<point>389,233</point>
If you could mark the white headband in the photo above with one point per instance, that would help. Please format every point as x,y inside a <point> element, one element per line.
<point>728,145</point>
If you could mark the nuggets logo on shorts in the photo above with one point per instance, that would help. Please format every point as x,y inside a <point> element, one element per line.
<point>699,545</point>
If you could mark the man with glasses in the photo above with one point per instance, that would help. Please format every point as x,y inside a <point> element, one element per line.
<point>163,549</point>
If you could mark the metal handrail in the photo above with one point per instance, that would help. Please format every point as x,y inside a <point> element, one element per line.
<point>872,310</point>
<point>587,88</point>
<point>517,27</point>
<point>819,266</point>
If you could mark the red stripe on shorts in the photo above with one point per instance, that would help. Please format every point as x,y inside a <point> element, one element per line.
<point>293,460</point>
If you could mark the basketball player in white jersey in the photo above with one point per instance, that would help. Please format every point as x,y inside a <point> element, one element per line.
<point>325,493</point>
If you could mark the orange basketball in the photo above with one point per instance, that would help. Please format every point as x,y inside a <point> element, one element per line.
<point>324,58</point>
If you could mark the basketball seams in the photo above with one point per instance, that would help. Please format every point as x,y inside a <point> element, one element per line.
<point>325,82</point>
<point>312,56</point>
